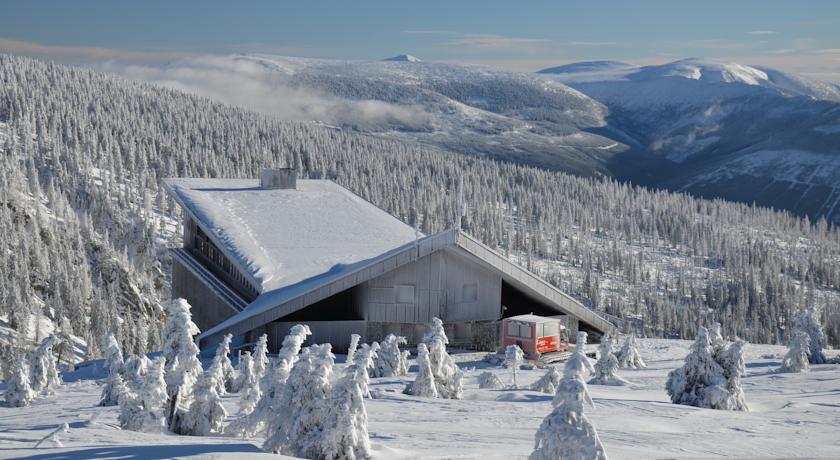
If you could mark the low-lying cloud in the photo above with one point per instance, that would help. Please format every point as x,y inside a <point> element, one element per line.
<point>252,85</point>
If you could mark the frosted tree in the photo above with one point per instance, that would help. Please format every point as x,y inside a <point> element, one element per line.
<point>578,362</point>
<point>206,413</point>
<point>260,356</point>
<point>19,392</point>
<point>134,370</point>
<point>513,359</point>
<point>299,425</point>
<point>114,382</point>
<point>44,372</point>
<point>182,365</point>
<point>145,410</point>
<point>250,394</point>
<point>796,359</point>
<point>390,360</point>
<point>606,368</point>
<point>424,384</point>
<point>346,435</point>
<point>446,373</point>
<point>221,365</point>
<point>244,371</point>
<point>354,344</point>
<point>705,381</point>
<point>271,385</point>
<point>548,382</point>
<point>808,321</point>
<point>131,409</point>
<point>566,433</point>
<point>629,356</point>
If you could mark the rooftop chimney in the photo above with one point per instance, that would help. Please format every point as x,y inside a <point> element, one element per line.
<point>284,178</point>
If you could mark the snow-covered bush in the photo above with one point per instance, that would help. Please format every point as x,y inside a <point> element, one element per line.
<point>19,392</point>
<point>390,360</point>
<point>566,433</point>
<point>446,373</point>
<point>548,382</point>
<point>578,362</point>
<point>424,383</point>
<point>796,359</point>
<point>299,425</point>
<point>513,359</point>
<point>182,365</point>
<point>43,370</point>
<point>346,435</point>
<point>206,413</point>
<point>808,321</point>
<point>607,366</point>
<point>629,356</point>
<point>710,376</point>
<point>114,383</point>
<point>489,381</point>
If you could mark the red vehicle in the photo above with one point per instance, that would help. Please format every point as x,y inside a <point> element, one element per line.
<point>535,335</point>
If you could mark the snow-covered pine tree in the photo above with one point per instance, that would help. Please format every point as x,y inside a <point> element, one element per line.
<point>206,413</point>
<point>222,365</point>
<point>732,362</point>
<point>606,368</point>
<point>513,359</point>
<point>19,392</point>
<point>489,381</point>
<point>182,364</point>
<point>154,398</point>
<point>354,344</point>
<point>548,382</point>
<point>808,321</point>
<point>134,370</point>
<point>346,435</point>
<point>244,371</point>
<point>578,362</point>
<point>299,425</point>
<point>629,356</point>
<point>796,359</point>
<point>114,382</point>
<point>44,372</point>
<point>566,433</point>
<point>424,384</point>
<point>260,357</point>
<point>390,361</point>
<point>250,394</point>
<point>447,374</point>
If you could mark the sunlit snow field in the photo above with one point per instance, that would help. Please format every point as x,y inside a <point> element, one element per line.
<point>791,415</point>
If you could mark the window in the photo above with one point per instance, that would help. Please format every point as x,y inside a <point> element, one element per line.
<point>469,293</point>
<point>525,331</point>
<point>516,329</point>
<point>405,293</point>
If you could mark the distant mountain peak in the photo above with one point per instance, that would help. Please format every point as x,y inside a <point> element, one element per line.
<point>587,66</point>
<point>403,58</point>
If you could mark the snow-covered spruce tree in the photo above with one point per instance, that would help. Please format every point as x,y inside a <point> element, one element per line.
<point>114,382</point>
<point>578,362</point>
<point>134,370</point>
<point>548,382</point>
<point>514,357</point>
<point>346,435</point>
<point>206,413</point>
<point>808,321</point>
<point>223,367</point>
<point>153,398</point>
<point>390,360</point>
<point>260,357</point>
<point>271,386</point>
<point>796,359</point>
<point>566,433</point>
<point>244,372</point>
<point>447,374</point>
<point>250,394</point>
<point>424,384</point>
<point>629,356</point>
<point>606,369</point>
<point>354,344</point>
<point>703,381</point>
<point>182,365</point>
<point>19,392</point>
<point>299,425</point>
<point>44,372</point>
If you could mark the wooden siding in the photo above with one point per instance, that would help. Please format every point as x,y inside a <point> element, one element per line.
<point>209,306</point>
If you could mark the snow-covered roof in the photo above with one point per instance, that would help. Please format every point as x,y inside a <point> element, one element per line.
<point>532,318</point>
<point>281,237</point>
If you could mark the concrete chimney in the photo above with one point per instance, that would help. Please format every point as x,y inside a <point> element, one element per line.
<point>284,178</point>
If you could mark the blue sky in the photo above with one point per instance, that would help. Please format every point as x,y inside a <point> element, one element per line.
<point>802,36</point>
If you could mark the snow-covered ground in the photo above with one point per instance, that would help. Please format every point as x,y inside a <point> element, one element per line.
<point>791,415</point>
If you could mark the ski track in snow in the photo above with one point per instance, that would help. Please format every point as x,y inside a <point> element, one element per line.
<point>791,415</point>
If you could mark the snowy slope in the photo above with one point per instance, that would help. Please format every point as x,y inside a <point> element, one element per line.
<point>715,129</point>
<point>791,415</point>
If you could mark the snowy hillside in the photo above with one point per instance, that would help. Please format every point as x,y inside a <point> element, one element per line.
<point>791,415</point>
<point>721,129</point>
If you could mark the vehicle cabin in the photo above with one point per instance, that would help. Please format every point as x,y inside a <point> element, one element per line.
<point>535,335</point>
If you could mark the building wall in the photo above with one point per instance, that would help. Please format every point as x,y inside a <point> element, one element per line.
<point>207,309</point>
